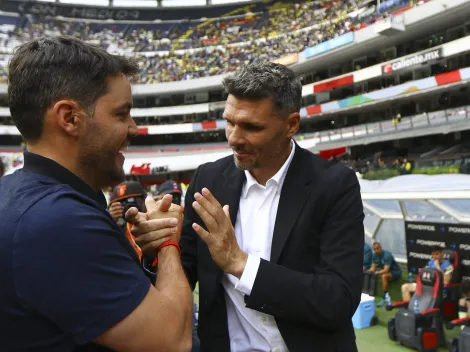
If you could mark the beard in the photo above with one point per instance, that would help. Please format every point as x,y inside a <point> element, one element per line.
<point>275,153</point>
<point>101,164</point>
<point>246,166</point>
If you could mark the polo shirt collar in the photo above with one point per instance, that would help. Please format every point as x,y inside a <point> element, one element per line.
<point>48,167</point>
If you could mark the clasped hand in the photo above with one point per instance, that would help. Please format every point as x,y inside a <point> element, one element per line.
<point>162,222</point>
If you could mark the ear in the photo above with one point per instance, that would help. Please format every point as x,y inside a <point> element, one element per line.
<point>293,123</point>
<point>69,116</point>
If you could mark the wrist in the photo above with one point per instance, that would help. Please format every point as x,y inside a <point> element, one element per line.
<point>168,250</point>
<point>238,266</point>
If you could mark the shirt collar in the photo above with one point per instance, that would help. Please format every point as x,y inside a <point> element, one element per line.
<point>278,178</point>
<point>48,167</point>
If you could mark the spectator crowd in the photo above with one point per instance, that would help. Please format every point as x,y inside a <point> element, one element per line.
<point>175,51</point>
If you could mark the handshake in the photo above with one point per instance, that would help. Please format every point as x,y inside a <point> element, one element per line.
<point>162,222</point>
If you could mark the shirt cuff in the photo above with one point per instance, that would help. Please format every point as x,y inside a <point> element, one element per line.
<point>247,280</point>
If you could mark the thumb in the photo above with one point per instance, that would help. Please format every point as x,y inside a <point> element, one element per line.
<point>134,217</point>
<point>227,211</point>
<point>150,205</point>
<point>165,204</point>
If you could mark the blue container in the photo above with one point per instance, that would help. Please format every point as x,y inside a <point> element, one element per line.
<point>364,313</point>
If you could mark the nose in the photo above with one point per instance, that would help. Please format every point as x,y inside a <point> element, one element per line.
<point>133,129</point>
<point>234,136</point>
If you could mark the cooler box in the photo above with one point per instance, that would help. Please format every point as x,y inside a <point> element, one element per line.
<point>364,313</point>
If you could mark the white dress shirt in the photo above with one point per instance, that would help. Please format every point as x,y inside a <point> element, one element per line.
<point>251,330</point>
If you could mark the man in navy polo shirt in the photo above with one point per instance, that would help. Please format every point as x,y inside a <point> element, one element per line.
<point>70,279</point>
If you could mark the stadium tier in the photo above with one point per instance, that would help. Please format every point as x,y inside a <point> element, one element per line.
<point>361,65</point>
<point>183,50</point>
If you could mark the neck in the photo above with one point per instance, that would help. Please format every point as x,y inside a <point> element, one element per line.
<point>67,158</point>
<point>262,175</point>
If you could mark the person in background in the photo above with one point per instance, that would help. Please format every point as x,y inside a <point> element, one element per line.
<point>385,267</point>
<point>437,262</point>
<point>464,303</point>
<point>126,195</point>
<point>367,256</point>
<point>170,187</point>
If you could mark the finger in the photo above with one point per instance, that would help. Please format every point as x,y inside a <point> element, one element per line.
<point>154,236</point>
<point>206,217</point>
<point>115,206</point>
<point>153,225</point>
<point>135,217</point>
<point>150,205</point>
<point>165,204</point>
<point>211,205</point>
<point>205,235</point>
<point>227,212</point>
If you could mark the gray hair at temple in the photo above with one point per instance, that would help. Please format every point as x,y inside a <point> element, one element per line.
<point>266,79</point>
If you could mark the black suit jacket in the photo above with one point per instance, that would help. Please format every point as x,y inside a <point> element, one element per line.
<point>312,284</point>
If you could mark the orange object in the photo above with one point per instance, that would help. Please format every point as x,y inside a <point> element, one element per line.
<point>131,239</point>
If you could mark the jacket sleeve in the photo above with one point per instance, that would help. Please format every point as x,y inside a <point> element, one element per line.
<point>328,297</point>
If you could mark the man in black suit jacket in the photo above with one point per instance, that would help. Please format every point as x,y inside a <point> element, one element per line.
<point>306,286</point>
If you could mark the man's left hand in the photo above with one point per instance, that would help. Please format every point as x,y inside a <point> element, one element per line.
<point>220,238</point>
<point>161,222</point>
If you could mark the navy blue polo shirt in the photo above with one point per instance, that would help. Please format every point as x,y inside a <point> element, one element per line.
<point>67,272</point>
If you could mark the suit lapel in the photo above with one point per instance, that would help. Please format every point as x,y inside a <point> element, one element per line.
<point>294,194</point>
<point>231,189</point>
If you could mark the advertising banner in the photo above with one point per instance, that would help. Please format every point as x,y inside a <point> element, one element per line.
<point>412,61</point>
<point>329,45</point>
<point>117,13</point>
<point>422,236</point>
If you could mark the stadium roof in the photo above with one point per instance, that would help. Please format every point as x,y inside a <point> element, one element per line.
<point>146,3</point>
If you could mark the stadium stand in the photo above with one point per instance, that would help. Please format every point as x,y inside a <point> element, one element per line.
<point>349,115</point>
<point>182,50</point>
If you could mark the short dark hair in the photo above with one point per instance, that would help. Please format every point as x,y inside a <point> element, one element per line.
<point>46,70</point>
<point>436,249</point>
<point>266,79</point>
<point>465,286</point>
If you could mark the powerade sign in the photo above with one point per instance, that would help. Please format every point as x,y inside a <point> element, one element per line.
<point>414,60</point>
<point>329,45</point>
<point>422,236</point>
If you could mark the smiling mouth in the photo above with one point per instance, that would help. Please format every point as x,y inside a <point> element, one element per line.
<point>123,149</point>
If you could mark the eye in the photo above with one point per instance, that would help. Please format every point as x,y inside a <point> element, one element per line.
<point>253,128</point>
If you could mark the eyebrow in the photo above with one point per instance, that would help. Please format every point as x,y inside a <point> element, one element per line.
<point>247,123</point>
<point>126,105</point>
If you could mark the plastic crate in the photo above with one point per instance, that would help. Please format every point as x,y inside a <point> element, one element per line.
<point>365,312</point>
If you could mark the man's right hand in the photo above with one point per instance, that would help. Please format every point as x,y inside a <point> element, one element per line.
<point>162,222</point>
<point>116,210</point>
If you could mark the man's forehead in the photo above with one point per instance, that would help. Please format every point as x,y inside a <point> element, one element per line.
<point>119,91</point>
<point>242,108</point>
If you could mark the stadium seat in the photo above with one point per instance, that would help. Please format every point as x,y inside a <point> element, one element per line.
<point>462,341</point>
<point>421,330</point>
<point>451,291</point>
